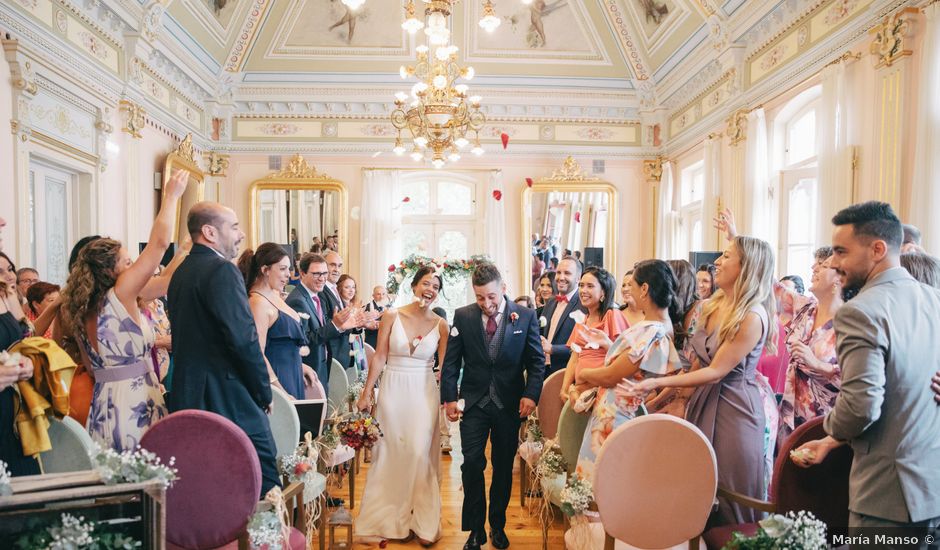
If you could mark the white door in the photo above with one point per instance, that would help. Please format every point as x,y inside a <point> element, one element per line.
<point>52,220</point>
<point>799,204</point>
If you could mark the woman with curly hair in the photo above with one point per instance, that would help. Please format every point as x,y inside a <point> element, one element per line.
<point>99,308</point>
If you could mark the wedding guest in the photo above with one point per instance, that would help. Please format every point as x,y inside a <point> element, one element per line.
<point>218,365</point>
<point>727,405</point>
<point>330,300</point>
<point>99,309</point>
<point>923,267</point>
<point>644,350</point>
<point>280,334</point>
<point>552,264</point>
<point>794,283</point>
<point>40,297</point>
<point>350,300</point>
<point>544,291</point>
<point>596,292</point>
<point>155,312</point>
<point>525,301</point>
<point>911,240</point>
<point>13,326</point>
<point>555,321</point>
<point>705,277</point>
<point>378,305</point>
<point>25,278</point>
<point>813,375</point>
<point>686,298</point>
<point>631,315</point>
<point>538,268</point>
<point>885,337</point>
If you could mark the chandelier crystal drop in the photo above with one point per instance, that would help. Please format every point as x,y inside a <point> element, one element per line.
<point>439,115</point>
<point>353,4</point>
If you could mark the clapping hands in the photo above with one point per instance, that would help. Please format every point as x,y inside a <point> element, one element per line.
<point>724,222</point>
<point>14,368</point>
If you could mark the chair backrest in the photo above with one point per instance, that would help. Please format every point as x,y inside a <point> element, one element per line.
<point>822,489</point>
<point>315,391</point>
<point>668,468</point>
<point>338,386</point>
<point>204,507</point>
<point>285,424</point>
<point>370,352</point>
<point>550,404</point>
<point>571,426</point>
<point>71,446</point>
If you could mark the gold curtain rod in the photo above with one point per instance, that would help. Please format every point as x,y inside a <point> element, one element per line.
<point>847,56</point>
<point>432,169</point>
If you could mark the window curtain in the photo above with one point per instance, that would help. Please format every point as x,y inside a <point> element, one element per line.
<point>835,181</point>
<point>667,222</point>
<point>757,205</point>
<point>710,237</point>
<point>494,231</point>
<point>381,226</point>
<point>925,196</point>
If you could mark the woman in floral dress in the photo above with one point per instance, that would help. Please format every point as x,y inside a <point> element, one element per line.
<point>642,351</point>
<point>99,308</point>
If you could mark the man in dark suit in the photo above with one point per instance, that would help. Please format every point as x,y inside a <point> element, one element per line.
<point>218,364</point>
<point>306,299</point>
<point>378,305</point>
<point>556,321</point>
<point>338,348</point>
<point>496,342</point>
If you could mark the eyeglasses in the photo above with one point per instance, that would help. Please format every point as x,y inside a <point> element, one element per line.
<point>318,274</point>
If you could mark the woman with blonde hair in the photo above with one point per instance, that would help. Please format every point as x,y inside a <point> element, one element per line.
<point>732,332</point>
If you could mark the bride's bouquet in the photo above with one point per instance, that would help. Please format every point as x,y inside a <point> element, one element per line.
<point>359,431</point>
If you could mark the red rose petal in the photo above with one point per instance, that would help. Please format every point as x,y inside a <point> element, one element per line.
<point>577,217</point>
<point>497,194</point>
<point>406,199</point>
<point>505,138</point>
<point>391,268</point>
<point>528,182</point>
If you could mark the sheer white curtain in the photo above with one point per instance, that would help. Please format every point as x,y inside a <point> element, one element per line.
<point>711,194</point>
<point>757,221</point>
<point>833,149</point>
<point>667,219</point>
<point>381,226</point>
<point>925,197</point>
<point>494,232</point>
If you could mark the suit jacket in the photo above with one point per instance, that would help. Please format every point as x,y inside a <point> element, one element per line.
<point>318,334</point>
<point>338,347</point>
<point>218,364</point>
<point>521,352</point>
<point>886,338</point>
<point>560,350</point>
<point>372,336</point>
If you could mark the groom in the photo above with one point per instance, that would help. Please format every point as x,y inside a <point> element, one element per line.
<point>496,342</point>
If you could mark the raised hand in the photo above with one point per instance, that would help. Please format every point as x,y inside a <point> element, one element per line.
<point>177,184</point>
<point>935,386</point>
<point>597,338</point>
<point>724,222</point>
<point>813,452</point>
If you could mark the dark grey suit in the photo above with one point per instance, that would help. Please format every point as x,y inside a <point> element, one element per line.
<point>319,335</point>
<point>560,350</point>
<point>887,339</point>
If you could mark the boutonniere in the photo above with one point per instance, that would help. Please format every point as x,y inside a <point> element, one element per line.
<point>578,316</point>
<point>543,322</point>
<point>416,341</point>
<point>513,317</point>
<point>454,332</point>
<point>303,315</point>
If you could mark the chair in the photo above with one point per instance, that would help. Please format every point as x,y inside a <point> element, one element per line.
<point>370,352</point>
<point>571,426</point>
<point>549,407</point>
<point>338,387</point>
<point>71,447</point>
<point>285,424</point>
<point>204,508</point>
<point>822,489</point>
<point>655,482</point>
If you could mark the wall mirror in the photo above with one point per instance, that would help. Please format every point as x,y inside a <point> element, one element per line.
<point>184,158</point>
<point>299,206</point>
<point>570,210</point>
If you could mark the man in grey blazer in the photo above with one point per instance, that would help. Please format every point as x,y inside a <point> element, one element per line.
<point>886,338</point>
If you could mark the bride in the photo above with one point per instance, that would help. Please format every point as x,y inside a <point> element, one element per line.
<point>402,498</point>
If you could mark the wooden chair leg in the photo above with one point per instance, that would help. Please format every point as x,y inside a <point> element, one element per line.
<point>693,544</point>
<point>523,480</point>
<point>608,542</point>
<point>322,521</point>
<point>352,486</point>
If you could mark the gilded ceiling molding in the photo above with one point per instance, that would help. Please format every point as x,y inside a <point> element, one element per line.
<point>737,126</point>
<point>249,29</point>
<point>627,42</point>
<point>135,118</point>
<point>186,149</point>
<point>217,164</point>
<point>653,169</point>
<point>891,37</point>
<point>783,29</point>
<point>298,168</point>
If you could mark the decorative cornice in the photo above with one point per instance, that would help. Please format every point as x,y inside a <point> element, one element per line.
<point>217,163</point>
<point>298,168</point>
<point>890,37</point>
<point>134,118</point>
<point>249,29</point>
<point>570,171</point>
<point>186,149</point>
<point>626,40</point>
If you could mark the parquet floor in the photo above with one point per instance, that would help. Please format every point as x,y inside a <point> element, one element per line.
<point>522,529</point>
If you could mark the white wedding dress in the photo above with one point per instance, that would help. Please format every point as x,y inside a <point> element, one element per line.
<point>402,491</point>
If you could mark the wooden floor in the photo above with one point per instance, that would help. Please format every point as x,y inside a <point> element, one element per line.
<point>523,530</point>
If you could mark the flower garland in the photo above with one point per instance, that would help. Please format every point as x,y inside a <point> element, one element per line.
<point>450,270</point>
<point>359,430</point>
<point>5,488</point>
<point>793,531</point>
<point>74,533</point>
<point>132,466</point>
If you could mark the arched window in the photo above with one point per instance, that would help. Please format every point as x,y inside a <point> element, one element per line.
<point>691,195</point>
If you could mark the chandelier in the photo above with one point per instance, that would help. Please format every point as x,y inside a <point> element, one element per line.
<point>439,113</point>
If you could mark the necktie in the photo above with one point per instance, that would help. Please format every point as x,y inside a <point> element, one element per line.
<point>562,298</point>
<point>316,303</point>
<point>491,325</point>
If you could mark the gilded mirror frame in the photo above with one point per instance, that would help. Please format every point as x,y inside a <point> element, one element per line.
<point>571,179</point>
<point>299,176</point>
<point>184,158</point>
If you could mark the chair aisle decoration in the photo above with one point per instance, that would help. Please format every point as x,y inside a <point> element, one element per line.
<point>794,530</point>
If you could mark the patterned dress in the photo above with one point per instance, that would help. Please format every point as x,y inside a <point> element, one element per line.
<point>807,395</point>
<point>126,399</point>
<point>647,344</point>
